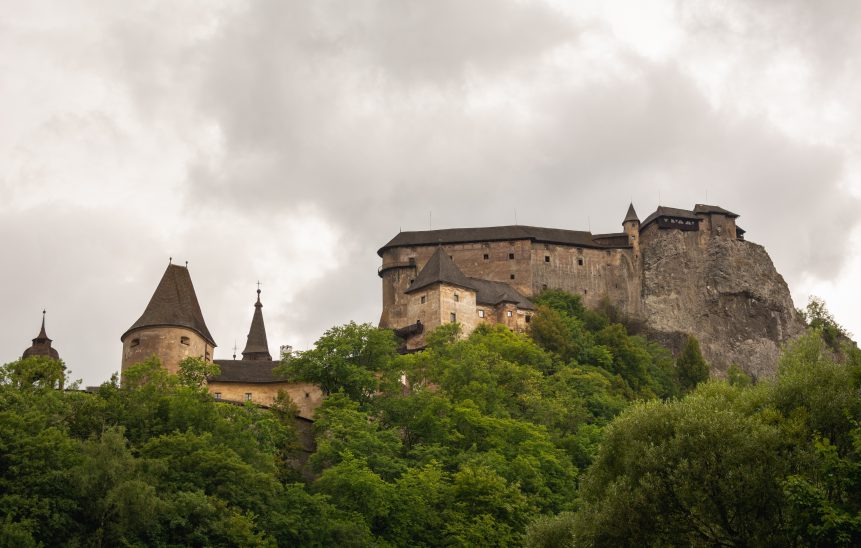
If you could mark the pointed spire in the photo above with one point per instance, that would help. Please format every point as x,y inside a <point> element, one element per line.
<point>42,344</point>
<point>257,347</point>
<point>631,215</point>
<point>440,269</point>
<point>174,304</point>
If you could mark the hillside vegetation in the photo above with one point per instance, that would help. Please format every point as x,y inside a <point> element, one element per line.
<point>575,434</point>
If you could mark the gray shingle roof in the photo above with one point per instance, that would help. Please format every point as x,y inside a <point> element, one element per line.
<point>174,303</point>
<point>703,208</point>
<point>492,233</point>
<point>493,293</point>
<point>257,347</point>
<point>664,211</point>
<point>440,269</point>
<point>42,345</point>
<point>250,371</point>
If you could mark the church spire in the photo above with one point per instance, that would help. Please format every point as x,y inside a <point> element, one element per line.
<point>42,344</point>
<point>257,347</point>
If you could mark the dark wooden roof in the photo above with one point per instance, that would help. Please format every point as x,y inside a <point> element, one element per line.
<point>174,304</point>
<point>250,371</point>
<point>42,345</point>
<point>707,209</point>
<point>492,233</point>
<point>494,293</point>
<point>440,269</point>
<point>664,211</point>
<point>631,215</point>
<point>257,347</point>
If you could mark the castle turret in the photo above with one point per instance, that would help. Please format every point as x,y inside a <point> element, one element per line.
<point>42,345</point>
<point>632,229</point>
<point>172,327</point>
<point>257,347</point>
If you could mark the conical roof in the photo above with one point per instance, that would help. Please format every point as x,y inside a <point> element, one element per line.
<point>440,269</point>
<point>257,347</point>
<point>42,344</point>
<point>631,215</point>
<point>174,304</point>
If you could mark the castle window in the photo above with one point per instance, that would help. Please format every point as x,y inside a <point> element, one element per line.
<point>184,340</point>
<point>134,343</point>
<point>481,313</point>
<point>412,261</point>
<point>528,319</point>
<point>508,313</point>
<point>512,276</point>
<point>543,286</point>
<point>486,256</point>
<point>453,317</point>
<point>456,297</point>
<point>580,262</point>
<point>412,280</point>
<point>510,256</point>
<point>206,356</point>
<point>248,396</point>
<point>547,258</point>
<point>307,395</point>
<point>584,291</point>
<point>218,395</point>
<point>424,299</point>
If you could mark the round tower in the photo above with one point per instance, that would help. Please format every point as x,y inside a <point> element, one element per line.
<point>631,225</point>
<point>172,326</point>
<point>42,345</point>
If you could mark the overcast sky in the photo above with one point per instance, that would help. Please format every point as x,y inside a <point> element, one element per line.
<point>287,141</point>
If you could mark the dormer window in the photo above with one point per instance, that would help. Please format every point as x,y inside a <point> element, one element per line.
<point>185,340</point>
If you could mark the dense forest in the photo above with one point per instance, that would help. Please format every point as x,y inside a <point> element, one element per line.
<point>578,433</point>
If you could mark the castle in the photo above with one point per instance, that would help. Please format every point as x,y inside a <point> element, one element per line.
<point>172,328</point>
<point>671,271</point>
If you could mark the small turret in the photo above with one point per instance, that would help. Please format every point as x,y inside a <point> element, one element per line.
<point>632,229</point>
<point>42,345</point>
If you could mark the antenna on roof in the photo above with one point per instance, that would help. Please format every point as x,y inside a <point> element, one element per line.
<point>170,260</point>
<point>186,264</point>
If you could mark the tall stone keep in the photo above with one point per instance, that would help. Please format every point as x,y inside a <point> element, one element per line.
<point>172,326</point>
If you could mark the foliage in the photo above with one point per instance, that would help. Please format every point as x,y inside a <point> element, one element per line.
<point>691,367</point>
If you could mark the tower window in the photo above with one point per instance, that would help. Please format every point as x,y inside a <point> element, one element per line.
<point>486,256</point>
<point>412,280</point>
<point>248,396</point>
<point>453,317</point>
<point>184,340</point>
<point>134,343</point>
<point>481,313</point>
<point>424,299</point>
<point>547,258</point>
<point>218,395</point>
<point>456,297</point>
<point>510,256</point>
<point>412,261</point>
<point>512,276</point>
<point>508,313</point>
<point>580,262</point>
<point>528,319</point>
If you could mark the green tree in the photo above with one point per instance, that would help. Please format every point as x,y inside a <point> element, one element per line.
<point>691,367</point>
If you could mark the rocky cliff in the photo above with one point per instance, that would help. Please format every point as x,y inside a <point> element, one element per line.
<point>725,292</point>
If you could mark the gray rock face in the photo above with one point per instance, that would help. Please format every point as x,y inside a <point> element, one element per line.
<point>725,292</point>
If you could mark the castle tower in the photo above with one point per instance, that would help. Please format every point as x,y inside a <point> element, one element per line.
<point>42,345</point>
<point>172,326</point>
<point>632,229</point>
<point>257,347</point>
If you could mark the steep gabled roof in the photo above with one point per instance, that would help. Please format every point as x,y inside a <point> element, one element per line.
<point>703,208</point>
<point>631,215</point>
<point>664,211</point>
<point>257,347</point>
<point>174,304</point>
<point>440,269</point>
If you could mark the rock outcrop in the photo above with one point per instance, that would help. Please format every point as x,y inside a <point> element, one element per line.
<point>725,292</point>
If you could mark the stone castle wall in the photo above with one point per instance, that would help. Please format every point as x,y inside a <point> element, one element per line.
<point>307,397</point>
